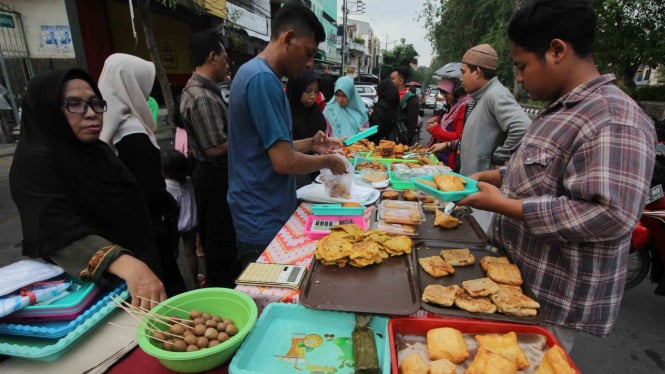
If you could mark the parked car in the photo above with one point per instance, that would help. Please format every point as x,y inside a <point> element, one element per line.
<point>367,91</point>
<point>430,98</point>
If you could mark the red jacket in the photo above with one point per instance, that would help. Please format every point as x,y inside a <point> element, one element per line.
<point>442,135</point>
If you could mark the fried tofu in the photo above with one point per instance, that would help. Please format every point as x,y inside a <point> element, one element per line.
<point>458,257</point>
<point>480,287</point>
<point>436,266</point>
<point>486,362</point>
<point>440,295</point>
<point>446,342</point>
<point>413,364</point>
<point>554,362</point>
<point>442,366</point>
<point>449,182</point>
<point>505,273</point>
<point>505,345</point>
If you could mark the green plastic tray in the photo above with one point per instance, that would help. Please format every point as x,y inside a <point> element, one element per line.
<point>471,187</point>
<point>362,135</point>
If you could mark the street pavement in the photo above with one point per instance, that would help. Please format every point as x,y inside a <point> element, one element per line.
<point>636,345</point>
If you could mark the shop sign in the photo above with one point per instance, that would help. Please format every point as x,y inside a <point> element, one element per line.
<point>6,20</point>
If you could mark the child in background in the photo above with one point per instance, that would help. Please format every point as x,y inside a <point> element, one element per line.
<point>178,184</point>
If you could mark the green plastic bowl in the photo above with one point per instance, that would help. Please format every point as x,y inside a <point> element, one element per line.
<point>225,302</point>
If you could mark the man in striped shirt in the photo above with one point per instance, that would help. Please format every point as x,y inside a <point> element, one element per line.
<point>574,188</point>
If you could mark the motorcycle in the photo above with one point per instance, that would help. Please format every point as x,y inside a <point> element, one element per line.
<point>647,252</point>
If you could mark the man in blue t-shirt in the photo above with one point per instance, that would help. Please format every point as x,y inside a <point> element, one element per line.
<point>265,159</point>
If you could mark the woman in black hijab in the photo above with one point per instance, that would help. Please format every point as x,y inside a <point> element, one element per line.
<point>80,207</point>
<point>385,111</point>
<point>306,115</point>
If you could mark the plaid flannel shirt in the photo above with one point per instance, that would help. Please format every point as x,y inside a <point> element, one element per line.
<point>582,171</point>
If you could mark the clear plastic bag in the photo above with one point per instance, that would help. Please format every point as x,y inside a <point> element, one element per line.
<point>338,185</point>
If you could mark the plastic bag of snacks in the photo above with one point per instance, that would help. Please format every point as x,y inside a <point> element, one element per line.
<point>338,185</point>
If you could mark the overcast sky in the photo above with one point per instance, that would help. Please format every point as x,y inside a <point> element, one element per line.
<point>396,19</point>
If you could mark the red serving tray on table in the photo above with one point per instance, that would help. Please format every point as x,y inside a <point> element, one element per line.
<point>420,326</point>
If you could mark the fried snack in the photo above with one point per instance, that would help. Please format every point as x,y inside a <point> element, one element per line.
<point>472,304</point>
<point>446,342</point>
<point>390,195</point>
<point>372,165</point>
<point>427,183</point>
<point>351,204</point>
<point>427,199</point>
<point>354,231</point>
<point>366,253</point>
<point>397,245</point>
<point>449,182</point>
<point>424,160</point>
<point>413,364</point>
<point>505,345</point>
<point>492,260</point>
<point>445,221</point>
<point>442,366</point>
<point>458,257</point>
<point>480,287</point>
<point>407,213</point>
<point>396,228</point>
<point>505,273</point>
<point>440,295</point>
<point>487,362</point>
<point>510,300</point>
<point>436,266</point>
<point>332,250</point>
<point>374,177</point>
<point>409,195</point>
<point>377,236</point>
<point>554,362</point>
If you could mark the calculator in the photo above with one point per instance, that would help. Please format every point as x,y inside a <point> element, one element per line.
<point>274,275</point>
<point>317,227</point>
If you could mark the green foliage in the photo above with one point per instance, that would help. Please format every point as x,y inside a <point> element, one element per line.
<point>654,93</point>
<point>629,33</point>
<point>401,55</point>
<point>453,26</point>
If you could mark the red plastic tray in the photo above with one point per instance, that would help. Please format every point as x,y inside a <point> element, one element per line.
<point>420,326</point>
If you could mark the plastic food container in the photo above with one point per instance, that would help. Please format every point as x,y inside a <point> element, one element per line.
<point>65,309</point>
<point>420,326</point>
<point>225,302</point>
<point>471,187</point>
<point>289,338</point>
<point>48,349</point>
<point>336,210</point>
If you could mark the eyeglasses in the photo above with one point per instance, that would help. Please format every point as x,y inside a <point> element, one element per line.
<point>81,107</point>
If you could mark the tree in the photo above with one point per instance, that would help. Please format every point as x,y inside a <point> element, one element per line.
<point>403,54</point>
<point>629,33</point>
<point>453,26</point>
<point>151,43</point>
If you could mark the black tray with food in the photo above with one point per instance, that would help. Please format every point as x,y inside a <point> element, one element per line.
<point>428,248</point>
<point>468,232</point>
<point>390,287</point>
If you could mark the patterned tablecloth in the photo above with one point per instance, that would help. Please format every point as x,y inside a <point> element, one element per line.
<point>292,246</point>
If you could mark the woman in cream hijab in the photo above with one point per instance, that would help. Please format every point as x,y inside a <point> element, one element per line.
<point>125,84</point>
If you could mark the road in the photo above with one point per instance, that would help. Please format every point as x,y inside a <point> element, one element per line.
<point>637,344</point>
